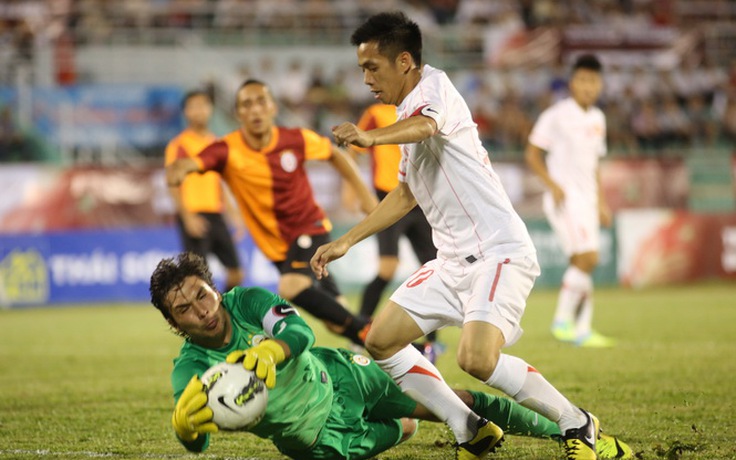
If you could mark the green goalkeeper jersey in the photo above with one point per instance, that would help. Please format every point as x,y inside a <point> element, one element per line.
<point>300,403</point>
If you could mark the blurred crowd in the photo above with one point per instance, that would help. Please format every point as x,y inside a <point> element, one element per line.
<point>649,109</point>
<point>96,20</point>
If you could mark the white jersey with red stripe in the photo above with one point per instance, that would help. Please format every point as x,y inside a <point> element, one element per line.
<point>453,181</point>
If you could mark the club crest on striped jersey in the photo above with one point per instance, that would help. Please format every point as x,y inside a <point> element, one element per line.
<point>304,241</point>
<point>288,161</point>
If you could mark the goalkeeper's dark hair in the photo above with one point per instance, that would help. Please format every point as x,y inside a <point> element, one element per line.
<point>588,62</point>
<point>393,32</point>
<point>170,274</point>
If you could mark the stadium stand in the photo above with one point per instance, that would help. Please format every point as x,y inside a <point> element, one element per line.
<point>670,77</point>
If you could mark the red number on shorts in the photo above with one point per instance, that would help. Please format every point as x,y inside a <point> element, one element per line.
<point>419,278</point>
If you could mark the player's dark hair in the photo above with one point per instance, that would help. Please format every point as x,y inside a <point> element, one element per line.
<point>248,82</point>
<point>170,274</point>
<point>194,93</point>
<point>251,81</point>
<point>588,62</point>
<point>393,32</point>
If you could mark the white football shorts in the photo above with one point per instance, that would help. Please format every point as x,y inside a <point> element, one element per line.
<point>577,228</point>
<point>448,293</point>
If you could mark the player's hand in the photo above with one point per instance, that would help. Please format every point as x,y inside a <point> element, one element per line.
<point>195,225</point>
<point>191,415</point>
<point>349,134</point>
<point>605,215</point>
<point>178,170</point>
<point>263,358</point>
<point>239,228</point>
<point>326,254</point>
<point>557,194</point>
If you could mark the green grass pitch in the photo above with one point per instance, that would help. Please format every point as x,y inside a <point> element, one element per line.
<point>89,382</point>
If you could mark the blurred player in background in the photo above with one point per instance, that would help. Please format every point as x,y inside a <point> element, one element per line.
<point>573,134</point>
<point>323,403</point>
<point>199,200</point>
<point>385,161</point>
<point>263,164</point>
<point>486,263</point>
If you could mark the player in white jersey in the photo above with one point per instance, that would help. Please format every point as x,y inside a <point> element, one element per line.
<point>486,263</point>
<point>573,133</point>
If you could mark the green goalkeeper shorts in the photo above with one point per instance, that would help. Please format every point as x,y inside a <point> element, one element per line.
<point>366,408</point>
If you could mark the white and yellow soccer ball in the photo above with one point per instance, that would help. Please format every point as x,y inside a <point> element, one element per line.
<point>237,397</point>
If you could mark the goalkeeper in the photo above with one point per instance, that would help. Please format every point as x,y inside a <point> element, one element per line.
<point>323,403</point>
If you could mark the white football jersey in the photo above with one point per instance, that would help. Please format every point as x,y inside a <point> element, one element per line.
<point>574,140</point>
<point>452,179</point>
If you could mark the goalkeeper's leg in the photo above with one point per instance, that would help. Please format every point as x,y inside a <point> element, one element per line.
<point>509,415</point>
<point>516,419</point>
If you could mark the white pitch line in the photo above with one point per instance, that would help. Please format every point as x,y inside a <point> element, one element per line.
<point>90,454</point>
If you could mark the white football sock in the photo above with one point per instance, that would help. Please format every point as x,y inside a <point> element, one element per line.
<point>421,381</point>
<point>584,323</point>
<point>526,385</point>
<point>576,284</point>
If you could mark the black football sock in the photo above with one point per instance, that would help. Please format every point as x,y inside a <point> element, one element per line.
<point>325,307</point>
<point>372,295</point>
<point>357,330</point>
<point>322,305</point>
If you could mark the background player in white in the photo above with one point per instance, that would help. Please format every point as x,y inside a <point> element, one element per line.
<point>573,133</point>
<point>486,263</point>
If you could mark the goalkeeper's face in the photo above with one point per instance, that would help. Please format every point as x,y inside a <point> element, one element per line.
<point>196,310</point>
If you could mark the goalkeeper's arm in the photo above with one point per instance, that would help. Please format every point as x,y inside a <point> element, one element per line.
<point>292,339</point>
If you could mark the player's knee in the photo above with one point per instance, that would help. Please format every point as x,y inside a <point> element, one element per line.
<point>378,346</point>
<point>590,262</point>
<point>334,328</point>
<point>292,285</point>
<point>374,346</point>
<point>387,273</point>
<point>479,365</point>
<point>387,267</point>
<point>586,262</point>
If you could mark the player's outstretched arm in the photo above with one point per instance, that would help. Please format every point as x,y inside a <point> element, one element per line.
<point>264,358</point>
<point>192,417</point>
<point>178,170</point>
<point>534,157</point>
<point>195,225</point>
<point>604,212</point>
<point>345,165</point>
<point>326,254</point>
<point>392,208</point>
<point>408,131</point>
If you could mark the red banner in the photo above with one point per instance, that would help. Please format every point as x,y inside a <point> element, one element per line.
<point>667,247</point>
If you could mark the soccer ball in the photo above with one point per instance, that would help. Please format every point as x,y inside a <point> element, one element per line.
<point>236,396</point>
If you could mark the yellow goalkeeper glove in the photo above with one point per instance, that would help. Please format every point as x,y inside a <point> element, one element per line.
<point>263,358</point>
<point>191,414</point>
